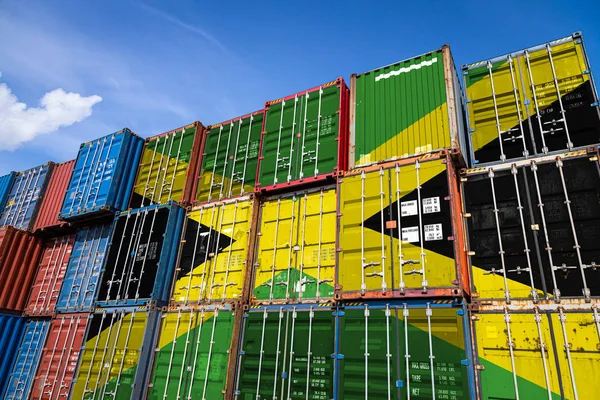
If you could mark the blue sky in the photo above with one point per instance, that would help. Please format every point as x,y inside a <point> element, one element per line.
<point>160,65</point>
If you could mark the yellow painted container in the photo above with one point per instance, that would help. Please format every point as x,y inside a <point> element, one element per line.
<point>296,245</point>
<point>213,258</point>
<point>537,352</point>
<point>400,231</point>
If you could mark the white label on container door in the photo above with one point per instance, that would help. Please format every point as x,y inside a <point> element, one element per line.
<point>410,234</point>
<point>433,232</point>
<point>408,208</point>
<point>431,205</point>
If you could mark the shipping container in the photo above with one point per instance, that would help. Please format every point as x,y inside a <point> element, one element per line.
<point>296,247</point>
<point>47,220</point>
<point>405,109</point>
<point>305,138</point>
<point>401,231</point>
<point>141,256</point>
<point>20,253</point>
<point>287,352</point>
<point>6,183</point>
<point>230,158</point>
<point>27,359</point>
<point>59,357</point>
<point>212,265</point>
<point>194,354</point>
<point>11,332</point>
<point>103,176</point>
<point>534,227</point>
<point>537,352</point>
<point>413,350</point>
<point>168,167</point>
<point>25,197</point>
<point>49,276</point>
<point>115,357</point>
<point>81,279</point>
<point>532,102</point>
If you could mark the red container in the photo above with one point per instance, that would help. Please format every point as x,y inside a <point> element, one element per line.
<point>59,357</point>
<point>47,219</point>
<point>49,276</point>
<point>20,253</point>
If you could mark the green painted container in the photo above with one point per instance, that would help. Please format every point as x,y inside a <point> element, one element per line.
<point>192,354</point>
<point>305,137</point>
<point>405,109</point>
<point>286,353</point>
<point>230,158</point>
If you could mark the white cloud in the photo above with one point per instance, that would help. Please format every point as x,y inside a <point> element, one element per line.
<point>20,124</point>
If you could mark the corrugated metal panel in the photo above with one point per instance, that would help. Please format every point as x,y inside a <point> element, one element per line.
<point>11,332</point>
<point>81,280</point>
<point>27,359</point>
<point>212,265</point>
<point>20,252</point>
<point>404,350</point>
<point>60,354</point>
<point>193,355</point>
<point>296,248</point>
<point>141,257</point>
<point>545,353</point>
<point>6,183</point>
<point>533,101</point>
<point>287,352</point>
<point>25,197</point>
<point>305,137</point>
<point>535,228</point>
<point>405,109</point>
<point>168,167</point>
<point>230,158</point>
<point>47,219</point>
<point>49,276</point>
<point>401,232</point>
<point>103,176</point>
<point>115,355</point>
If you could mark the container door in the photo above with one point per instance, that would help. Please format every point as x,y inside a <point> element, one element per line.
<point>164,167</point>
<point>214,182</point>
<point>287,355</point>
<point>242,176</point>
<point>192,355</point>
<point>110,356</point>
<point>401,353</point>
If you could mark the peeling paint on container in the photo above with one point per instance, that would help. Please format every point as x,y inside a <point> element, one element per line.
<point>47,220</point>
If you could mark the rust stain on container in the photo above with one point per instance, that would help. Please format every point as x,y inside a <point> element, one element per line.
<point>20,252</point>
<point>47,220</point>
<point>49,276</point>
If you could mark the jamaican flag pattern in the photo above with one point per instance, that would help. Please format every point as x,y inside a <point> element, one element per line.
<point>531,102</point>
<point>230,158</point>
<point>167,161</point>
<point>296,247</point>
<point>212,264</point>
<point>192,355</point>
<point>381,236</point>
<point>402,109</point>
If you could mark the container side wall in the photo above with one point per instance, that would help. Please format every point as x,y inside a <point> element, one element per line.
<point>11,333</point>
<point>81,281</point>
<point>20,380</point>
<point>49,276</point>
<point>25,197</point>
<point>6,183</point>
<point>54,197</point>
<point>296,250</point>
<point>54,377</point>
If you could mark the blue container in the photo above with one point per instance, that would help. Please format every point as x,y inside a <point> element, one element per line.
<point>27,360</point>
<point>11,332</point>
<point>82,276</point>
<point>25,197</point>
<point>6,183</point>
<point>140,262</point>
<point>103,176</point>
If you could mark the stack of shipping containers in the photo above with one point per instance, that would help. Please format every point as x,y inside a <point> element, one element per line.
<point>402,238</point>
<point>531,202</point>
